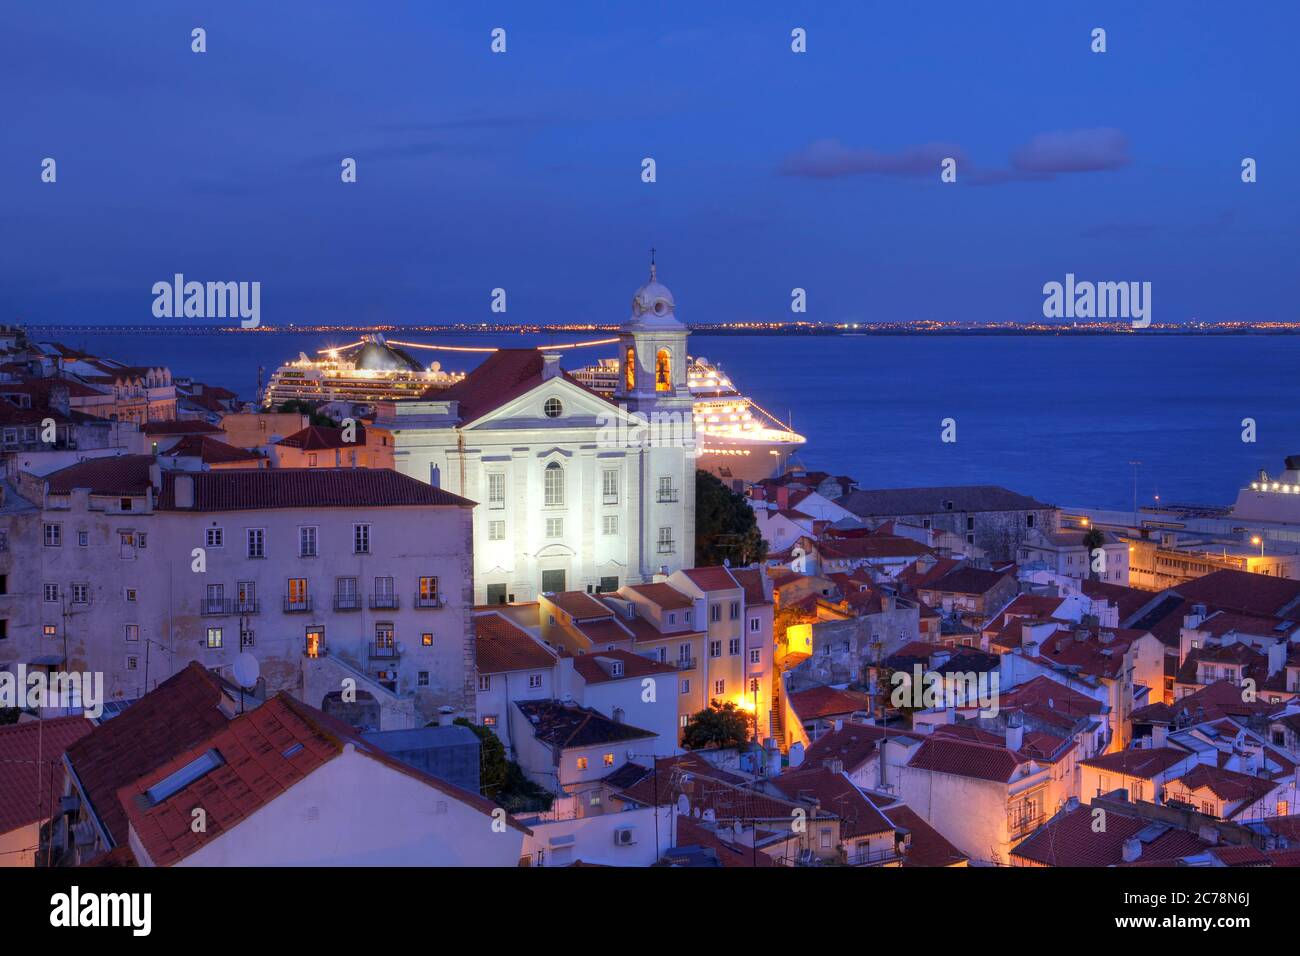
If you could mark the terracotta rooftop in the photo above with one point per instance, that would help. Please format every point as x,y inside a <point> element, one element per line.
<point>30,786</point>
<point>1069,839</point>
<point>264,752</point>
<point>319,438</point>
<point>818,702</point>
<point>115,475</point>
<point>579,605</point>
<point>835,794</point>
<point>502,646</point>
<point>964,758</point>
<point>246,489</point>
<point>175,716</point>
<point>210,451</point>
<point>1244,591</point>
<point>597,666</point>
<point>664,595</point>
<point>1145,764</point>
<point>567,726</point>
<point>966,580</point>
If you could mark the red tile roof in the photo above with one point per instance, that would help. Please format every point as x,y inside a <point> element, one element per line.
<point>927,847</point>
<point>579,605</point>
<point>564,726</point>
<point>964,758</point>
<point>691,832</point>
<point>853,745</point>
<point>1227,784</point>
<point>835,794</point>
<point>966,580</point>
<point>116,475</point>
<point>664,595</point>
<point>30,784</point>
<point>712,579</point>
<point>818,702</point>
<point>265,752</point>
<point>209,450</point>
<point>504,375</point>
<point>246,489</point>
<point>501,646</point>
<point>182,711</point>
<point>317,437</point>
<point>1243,591</point>
<point>594,667</point>
<point>1145,764</point>
<point>1069,839</point>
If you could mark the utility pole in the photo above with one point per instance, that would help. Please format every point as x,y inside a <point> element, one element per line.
<point>1135,464</point>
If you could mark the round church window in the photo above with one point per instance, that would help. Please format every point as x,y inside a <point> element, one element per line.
<point>553,408</point>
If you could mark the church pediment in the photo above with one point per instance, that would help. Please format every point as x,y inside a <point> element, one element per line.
<point>553,403</point>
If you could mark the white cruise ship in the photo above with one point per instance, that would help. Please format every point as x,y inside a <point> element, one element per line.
<point>738,441</point>
<point>364,372</point>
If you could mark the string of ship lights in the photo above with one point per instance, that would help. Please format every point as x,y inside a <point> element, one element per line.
<point>334,350</point>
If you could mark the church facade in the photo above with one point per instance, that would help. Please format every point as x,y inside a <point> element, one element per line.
<point>574,492</point>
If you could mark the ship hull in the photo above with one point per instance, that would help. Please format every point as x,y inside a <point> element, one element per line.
<point>743,462</point>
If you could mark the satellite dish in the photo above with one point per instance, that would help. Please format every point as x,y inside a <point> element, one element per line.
<point>247,670</point>
<point>683,805</point>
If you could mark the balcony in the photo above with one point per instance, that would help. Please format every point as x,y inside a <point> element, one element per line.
<point>217,607</point>
<point>302,605</point>
<point>384,602</point>
<point>609,499</point>
<point>382,651</point>
<point>347,602</point>
<point>428,601</point>
<point>685,663</point>
<point>667,547</point>
<point>1021,824</point>
<point>666,495</point>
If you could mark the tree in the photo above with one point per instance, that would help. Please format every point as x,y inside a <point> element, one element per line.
<point>721,725</point>
<point>492,757</point>
<point>1093,539</point>
<point>725,525</point>
<point>307,408</point>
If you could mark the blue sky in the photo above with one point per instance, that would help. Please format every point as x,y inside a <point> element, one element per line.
<point>522,170</point>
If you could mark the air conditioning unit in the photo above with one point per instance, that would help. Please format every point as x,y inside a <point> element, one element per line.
<point>625,836</point>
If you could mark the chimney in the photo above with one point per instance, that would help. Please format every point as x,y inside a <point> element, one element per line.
<point>1015,732</point>
<point>1159,735</point>
<point>1132,850</point>
<point>183,491</point>
<point>1277,656</point>
<point>155,475</point>
<point>782,496</point>
<point>550,365</point>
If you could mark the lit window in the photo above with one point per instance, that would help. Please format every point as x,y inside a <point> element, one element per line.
<point>489,720</point>
<point>51,630</point>
<point>608,760</point>
<point>629,369</point>
<point>426,640</point>
<point>663,371</point>
<point>582,763</point>
<point>214,637</point>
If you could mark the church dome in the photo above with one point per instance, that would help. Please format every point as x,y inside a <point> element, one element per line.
<point>653,305</point>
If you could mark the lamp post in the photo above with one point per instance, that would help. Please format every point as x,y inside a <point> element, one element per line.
<point>1135,464</point>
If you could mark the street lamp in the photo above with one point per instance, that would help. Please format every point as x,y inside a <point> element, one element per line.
<point>1257,539</point>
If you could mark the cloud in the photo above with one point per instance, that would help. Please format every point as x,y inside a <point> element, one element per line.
<point>1043,158</point>
<point>831,159</point>
<point>1073,151</point>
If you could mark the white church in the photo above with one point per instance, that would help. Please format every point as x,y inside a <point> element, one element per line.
<point>571,496</point>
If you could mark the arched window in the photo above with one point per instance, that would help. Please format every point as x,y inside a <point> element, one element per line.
<point>664,371</point>
<point>629,368</point>
<point>553,485</point>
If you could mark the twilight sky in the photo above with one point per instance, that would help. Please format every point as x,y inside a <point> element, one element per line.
<point>523,170</point>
